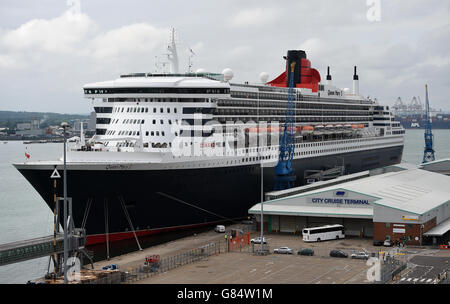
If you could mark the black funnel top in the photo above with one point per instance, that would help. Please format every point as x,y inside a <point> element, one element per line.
<point>294,56</point>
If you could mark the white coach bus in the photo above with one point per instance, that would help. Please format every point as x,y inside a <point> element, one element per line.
<point>329,232</point>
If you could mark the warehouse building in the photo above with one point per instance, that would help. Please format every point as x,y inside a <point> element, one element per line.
<point>403,202</point>
<point>438,166</point>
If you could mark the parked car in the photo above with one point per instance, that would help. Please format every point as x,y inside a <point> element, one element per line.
<point>360,255</point>
<point>110,267</point>
<point>378,243</point>
<point>258,240</point>
<point>219,228</point>
<point>285,250</point>
<point>387,243</point>
<point>338,254</point>
<point>306,251</point>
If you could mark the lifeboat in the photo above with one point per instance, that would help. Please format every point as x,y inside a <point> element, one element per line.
<point>318,130</point>
<point>307,130</point>
<point>339,128</point>
<point>263,130</point>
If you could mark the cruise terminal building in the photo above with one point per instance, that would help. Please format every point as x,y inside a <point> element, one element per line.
<point>402,202</point>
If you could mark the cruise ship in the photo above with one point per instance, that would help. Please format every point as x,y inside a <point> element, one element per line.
<point>175,151</point>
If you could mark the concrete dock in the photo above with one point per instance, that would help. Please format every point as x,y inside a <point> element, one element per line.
<point>243,267</point>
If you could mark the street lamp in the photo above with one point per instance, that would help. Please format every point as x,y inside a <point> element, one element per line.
<point>65,126</point>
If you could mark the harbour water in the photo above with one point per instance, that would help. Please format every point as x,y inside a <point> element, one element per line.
<point>24,215</point>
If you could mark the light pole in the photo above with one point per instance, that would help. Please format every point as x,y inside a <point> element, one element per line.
<point>262,179</point>
<point>262,199</point>
<point>64,126</point>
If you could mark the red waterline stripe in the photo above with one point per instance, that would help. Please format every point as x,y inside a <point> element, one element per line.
<point>118,236</point>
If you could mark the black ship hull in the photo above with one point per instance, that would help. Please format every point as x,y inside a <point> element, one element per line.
<point>164,200</point>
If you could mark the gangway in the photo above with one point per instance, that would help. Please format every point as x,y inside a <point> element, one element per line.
<point>321,175</point>
<point>20,251</point>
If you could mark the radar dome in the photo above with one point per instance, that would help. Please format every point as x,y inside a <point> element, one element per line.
<point>263,77</point>
<point>227,74</point>
<point>200,71</point>
<point>346,90</point>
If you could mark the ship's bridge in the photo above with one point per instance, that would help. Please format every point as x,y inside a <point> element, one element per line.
<point>157,84</point>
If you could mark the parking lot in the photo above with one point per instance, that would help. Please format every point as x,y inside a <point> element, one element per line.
<point>323,248</point>
<point>242,267</point>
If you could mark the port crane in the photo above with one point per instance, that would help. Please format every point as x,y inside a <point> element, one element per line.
<point>428,154</point>
<point>285,173</point>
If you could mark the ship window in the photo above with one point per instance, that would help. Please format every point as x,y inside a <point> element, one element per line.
<point>146,110</point>
<point>157,133</point>
<point>175,110</point>
<point>154,110</point>
<point>162,121</point>
<point>135,110</point>
<point>162,133</point>
<point>154,121</point>
<point>152,133</point>
<point>142,121</point>
<point>146,133</point>
<point>168,110</point>
<point>161,110</point>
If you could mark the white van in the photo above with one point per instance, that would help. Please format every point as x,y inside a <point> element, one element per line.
<point>219,228</point>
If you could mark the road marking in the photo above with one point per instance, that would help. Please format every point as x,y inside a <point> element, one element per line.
<point>422,280</point>
<point>429,280</point>
<point>409,279</point>
<point>402,279</point>
<point>415,280</point>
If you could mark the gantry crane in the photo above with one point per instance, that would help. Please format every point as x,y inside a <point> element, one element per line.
<point>428,154</point>
<point>285,173</point>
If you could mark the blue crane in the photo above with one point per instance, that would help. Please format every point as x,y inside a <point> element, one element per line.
<point>285,174</point>
<point>428,153</point>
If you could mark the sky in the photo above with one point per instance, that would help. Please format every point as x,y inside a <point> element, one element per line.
<point>50,48</point>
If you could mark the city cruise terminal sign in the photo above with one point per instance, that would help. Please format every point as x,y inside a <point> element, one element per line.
<point>340,198</point>
<point>343,201</point>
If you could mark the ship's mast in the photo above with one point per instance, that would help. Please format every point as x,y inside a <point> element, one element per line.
<point>173,56</point>
<point>428,154</point>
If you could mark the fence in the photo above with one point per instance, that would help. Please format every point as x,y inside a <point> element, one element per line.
<point>172,262</point>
